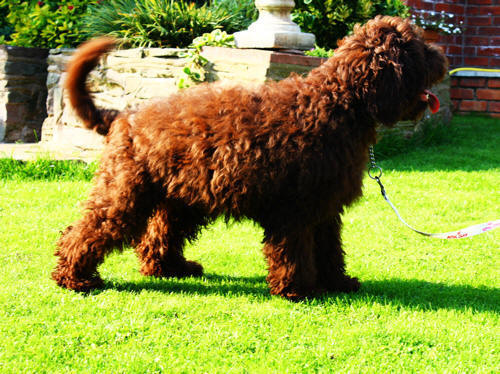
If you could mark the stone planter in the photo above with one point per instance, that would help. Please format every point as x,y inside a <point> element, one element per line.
<point>23,92</point>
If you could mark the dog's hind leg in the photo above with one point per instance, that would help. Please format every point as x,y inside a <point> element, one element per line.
<point>291,263</point>
<point>116,211</point>
<point>160,249</point>
<point>330,258</point>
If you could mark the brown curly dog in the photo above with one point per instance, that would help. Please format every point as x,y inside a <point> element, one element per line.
<point>288,155</point>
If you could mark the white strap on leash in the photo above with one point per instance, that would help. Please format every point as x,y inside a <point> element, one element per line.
<point>463,233</point>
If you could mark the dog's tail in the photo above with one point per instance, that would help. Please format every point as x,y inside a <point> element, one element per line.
<point>84,60</point>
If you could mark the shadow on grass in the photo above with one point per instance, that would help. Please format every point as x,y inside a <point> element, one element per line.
<point>425,295</point>
<point>208,284</point>
<point>414,294</point>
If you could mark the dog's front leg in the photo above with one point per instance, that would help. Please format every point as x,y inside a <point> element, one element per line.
<point>291,263</point>
<point>330,257</point>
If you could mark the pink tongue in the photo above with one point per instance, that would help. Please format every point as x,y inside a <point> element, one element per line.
<point>433,101</point>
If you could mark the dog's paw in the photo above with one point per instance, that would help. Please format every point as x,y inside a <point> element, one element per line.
<point>77,284</point>
<point>345,284</point>
<point>298,294</point>
<point>180,270</point>
<point>193,269</point>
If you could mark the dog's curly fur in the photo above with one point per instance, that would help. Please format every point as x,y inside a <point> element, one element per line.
<point>288,155</point>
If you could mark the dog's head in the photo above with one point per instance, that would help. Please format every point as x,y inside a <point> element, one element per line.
<point>387,65</point>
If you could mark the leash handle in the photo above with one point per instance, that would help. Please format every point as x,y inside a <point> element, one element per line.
<point>459,234</point>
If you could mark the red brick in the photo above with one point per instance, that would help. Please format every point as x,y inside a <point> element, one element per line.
<point>473,10</point>
<point>426,5</point>
<point>413,3</point>
<point>478,21</point>
<point>487,30</point>
<point>457,9</point>
<point>456,39</point>
<point>454,82</point>
<point>488,51</point>
<point>470,51</point>
<point>494,115</point>
<point>477,40</point>
<point>487,94</point>
<point>473,30</point>
<point>476,61</point>
<point>453,50</point>
<point>473,106</point>
<point>480,2</point>
<point>494,82</point>
<point>455,61</point>
<point>456,104</point>
<point>489,10</point>
<point>495,40</point>
<point>443,7</point>
<point>494,106</point>
<point>447,40</point>
<point>472,82</point>
<point>461,93</point>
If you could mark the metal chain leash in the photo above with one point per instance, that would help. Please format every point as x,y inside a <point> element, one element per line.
<point>375,173</point>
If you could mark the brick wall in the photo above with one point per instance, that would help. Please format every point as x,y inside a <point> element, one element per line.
<point>478,46</point>
<point>476,94</point>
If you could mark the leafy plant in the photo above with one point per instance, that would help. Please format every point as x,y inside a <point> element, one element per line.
<point>195,62</point>
<point>153,23</point>
<point>331,20</point>
<point>243,13</point>
<point>45,24</point>
<point>320,52</point>
<point>5,27</point>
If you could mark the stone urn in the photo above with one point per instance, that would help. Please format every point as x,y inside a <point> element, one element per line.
<point>274,28</point>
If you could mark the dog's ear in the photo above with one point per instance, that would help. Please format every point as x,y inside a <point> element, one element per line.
<point>397,64</point>
<point>385,91</point>
<point>391,73</point>
<point>437,63</point>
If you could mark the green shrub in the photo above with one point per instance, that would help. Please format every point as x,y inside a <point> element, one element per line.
<point>45,24</point>
<point>320,52</point>
<point>331,20</point>
<point>194,70</point>
<point>5,27</point>
<point>154,23</point>
<point>243,13</point>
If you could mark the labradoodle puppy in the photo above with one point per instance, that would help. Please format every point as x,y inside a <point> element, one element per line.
<point>288,155</point>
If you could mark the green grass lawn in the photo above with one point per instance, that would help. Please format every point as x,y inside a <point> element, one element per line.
<point>425,306</point>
